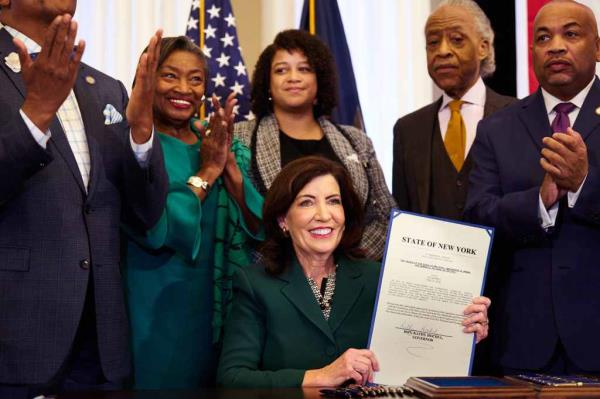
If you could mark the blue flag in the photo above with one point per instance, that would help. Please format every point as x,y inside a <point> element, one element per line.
<point>227,71</point>
<point>330,29</point>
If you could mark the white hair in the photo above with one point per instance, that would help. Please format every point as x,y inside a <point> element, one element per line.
<point>483,27</point>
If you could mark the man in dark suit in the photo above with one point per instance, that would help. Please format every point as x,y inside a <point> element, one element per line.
<point>72,168</point>
<point>430,170</point>
<point>536,180</point>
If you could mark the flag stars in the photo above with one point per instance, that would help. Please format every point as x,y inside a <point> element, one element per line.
<point>249,116</point>
<point>236,109</point>
<point>237,88</point>
<point>206,50</point>
<point>230,20</point>
<point>219,80</point>
<point>227,40</point>
<point>214,11</point>
<point>240,68</point>
<point>223,60</point>
<point>195,4</point>
<point>209,32</point>
<point>192,23</point>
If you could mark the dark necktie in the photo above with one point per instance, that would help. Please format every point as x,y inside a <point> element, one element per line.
<point>561,121</point>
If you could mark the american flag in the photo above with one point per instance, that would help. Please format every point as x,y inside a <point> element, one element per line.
<point>227,71</point>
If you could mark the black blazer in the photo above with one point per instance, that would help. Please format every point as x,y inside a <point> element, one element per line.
<point>413,133</point>
<point>53,234</point>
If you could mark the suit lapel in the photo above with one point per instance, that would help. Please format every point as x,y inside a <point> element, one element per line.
<point>93,123</point>
<point>491,102</point>
<point>422,157</point>
<point>348,288</point>
<point>588,119</point>
<point>6,48</point>
<point>298,292</point>
<point>535,118</point>
<point>348,156</point>
<point>268,150</point>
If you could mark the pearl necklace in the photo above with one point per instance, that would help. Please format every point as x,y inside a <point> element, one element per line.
<point>324,300</point>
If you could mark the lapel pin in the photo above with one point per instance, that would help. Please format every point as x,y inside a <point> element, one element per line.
<point>598,111</point>
<point>90,79</point>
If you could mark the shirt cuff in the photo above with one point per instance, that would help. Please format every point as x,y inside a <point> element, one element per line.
<point>547,217</point>
<point>572,197</point>
<point>142,151</point>
<point>40,137</point>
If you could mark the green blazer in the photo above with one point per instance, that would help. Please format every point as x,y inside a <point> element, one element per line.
<point>276,330</point>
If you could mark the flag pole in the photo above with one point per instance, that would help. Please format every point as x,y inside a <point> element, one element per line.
<point>201,111</point>
<point>311,17</point>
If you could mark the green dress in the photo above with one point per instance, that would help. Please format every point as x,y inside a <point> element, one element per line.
<point>178,276</point>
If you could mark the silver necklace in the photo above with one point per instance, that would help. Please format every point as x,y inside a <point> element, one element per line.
<point>324,300</point>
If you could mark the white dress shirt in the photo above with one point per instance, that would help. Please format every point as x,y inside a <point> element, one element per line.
<point>71,122</point>
<point>471,112</point>
<point>547,217</point>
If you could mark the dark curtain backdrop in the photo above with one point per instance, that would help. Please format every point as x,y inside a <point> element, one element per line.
<point>502,16</point>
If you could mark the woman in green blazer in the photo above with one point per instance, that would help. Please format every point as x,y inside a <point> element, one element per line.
<point>298,317</point>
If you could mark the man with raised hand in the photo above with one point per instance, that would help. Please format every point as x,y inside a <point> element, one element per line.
<point>76,161</point>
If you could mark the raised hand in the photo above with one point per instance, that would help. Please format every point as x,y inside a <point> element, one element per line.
<point>476,317</point>
<point>51,77</point>
<point>139,110</point>
<point>354,364</point>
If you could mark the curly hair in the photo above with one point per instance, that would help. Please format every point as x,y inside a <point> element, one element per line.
<point>277,249</point>
<point>319,58</point>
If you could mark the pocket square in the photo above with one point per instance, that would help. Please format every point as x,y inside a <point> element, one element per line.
<point>111,115</point>
<point>12,61</point>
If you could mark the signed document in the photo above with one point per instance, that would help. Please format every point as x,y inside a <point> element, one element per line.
<point>431,270</point>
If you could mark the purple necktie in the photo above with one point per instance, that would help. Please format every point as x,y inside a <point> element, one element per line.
<point>561,122</point>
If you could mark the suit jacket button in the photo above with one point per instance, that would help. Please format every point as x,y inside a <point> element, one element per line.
<point>42,164</point>
<point>84,264</point>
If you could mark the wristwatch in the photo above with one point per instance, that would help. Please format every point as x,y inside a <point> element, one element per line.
<point>198,182</point>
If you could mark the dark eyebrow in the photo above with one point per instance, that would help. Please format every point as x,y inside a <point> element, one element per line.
<point>174,68</point>
<point>565,26</point>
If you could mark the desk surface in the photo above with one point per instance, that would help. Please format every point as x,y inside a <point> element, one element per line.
<point>288,393</point>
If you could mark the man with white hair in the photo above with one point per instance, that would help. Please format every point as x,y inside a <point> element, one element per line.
<point>431,145</point>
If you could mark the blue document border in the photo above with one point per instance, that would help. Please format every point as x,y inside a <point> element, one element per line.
<point>397,212</point>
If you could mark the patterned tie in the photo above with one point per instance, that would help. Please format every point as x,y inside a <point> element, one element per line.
<point>456,135</point>
<point>561,121</point>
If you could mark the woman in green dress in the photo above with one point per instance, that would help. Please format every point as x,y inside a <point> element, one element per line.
<point>178,275</point>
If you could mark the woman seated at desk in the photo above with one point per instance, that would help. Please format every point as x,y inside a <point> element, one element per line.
<point>302,316</point>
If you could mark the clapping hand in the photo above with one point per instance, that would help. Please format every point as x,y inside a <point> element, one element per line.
<point>139,110</point>
<point>565,159</point>
<point>51,77</point>
<point>216,142</point>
